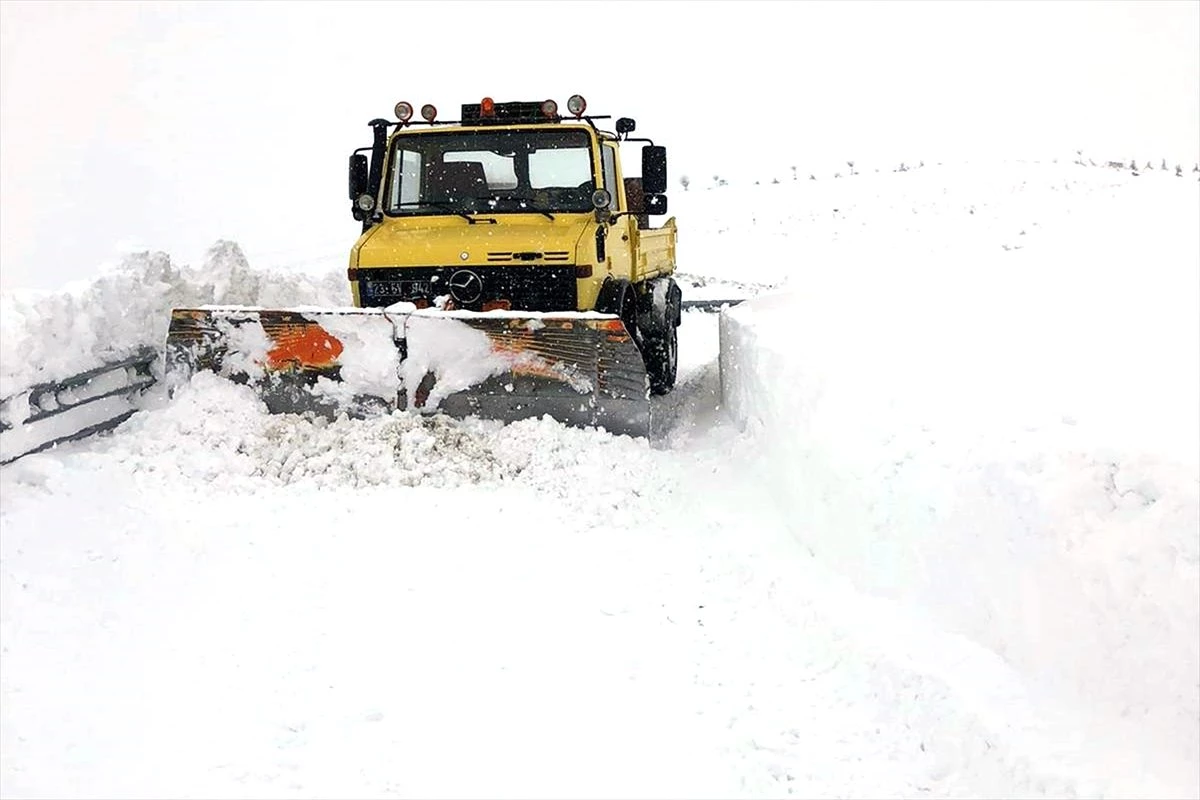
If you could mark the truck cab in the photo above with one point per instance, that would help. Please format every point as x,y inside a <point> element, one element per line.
<point>514,207</point>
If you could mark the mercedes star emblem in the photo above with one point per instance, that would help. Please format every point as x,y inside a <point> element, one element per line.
<point>466,286</point>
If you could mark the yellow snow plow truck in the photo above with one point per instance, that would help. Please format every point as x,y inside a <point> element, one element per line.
<point>507,268</point>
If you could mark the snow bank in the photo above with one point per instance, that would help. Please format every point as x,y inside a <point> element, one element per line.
<point>989,414</point>
<point>51,336</point>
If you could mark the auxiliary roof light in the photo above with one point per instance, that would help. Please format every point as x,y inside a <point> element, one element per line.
<point>577,105</point>
<point>429,112</point>
<point>550,109</point>
<point>487,107</point>
<point>403,111</point>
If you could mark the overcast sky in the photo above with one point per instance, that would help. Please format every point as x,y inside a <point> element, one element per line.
<point>171,125</point>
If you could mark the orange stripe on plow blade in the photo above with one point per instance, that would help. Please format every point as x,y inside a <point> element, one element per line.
<point>524,358</point>
<point>306,345</point>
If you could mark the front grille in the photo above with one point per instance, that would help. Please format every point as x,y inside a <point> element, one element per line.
<point>500,256</point>
<point>526,288</point>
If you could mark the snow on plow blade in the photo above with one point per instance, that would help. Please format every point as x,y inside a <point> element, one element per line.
<point>581,369</point>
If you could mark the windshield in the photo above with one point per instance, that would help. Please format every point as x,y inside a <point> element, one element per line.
<point>514,171</point>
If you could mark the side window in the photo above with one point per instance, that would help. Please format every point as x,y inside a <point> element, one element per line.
<point>610,173</point>
<point>406,181</point>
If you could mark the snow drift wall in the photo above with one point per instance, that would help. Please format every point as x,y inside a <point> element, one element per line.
<point>52,336</point>
<point>1006,440</point>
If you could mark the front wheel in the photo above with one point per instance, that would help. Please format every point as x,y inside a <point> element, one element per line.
<point>661,353</point>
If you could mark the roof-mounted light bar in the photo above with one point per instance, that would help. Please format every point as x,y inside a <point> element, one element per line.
<point>488,111</point>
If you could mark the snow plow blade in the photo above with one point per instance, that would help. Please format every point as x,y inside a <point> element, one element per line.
<point>582,369</point>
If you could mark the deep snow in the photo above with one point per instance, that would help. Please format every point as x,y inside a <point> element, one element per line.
<point>1003,429</point>
<point>47,336</point>
<point>895,569</point>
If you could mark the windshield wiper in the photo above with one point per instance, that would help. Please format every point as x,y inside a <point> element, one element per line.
<point>523,203</point>
<point>532,207</point>
<point>444,207</point>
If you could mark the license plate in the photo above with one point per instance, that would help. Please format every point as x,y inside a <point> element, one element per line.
<point>400,288</point>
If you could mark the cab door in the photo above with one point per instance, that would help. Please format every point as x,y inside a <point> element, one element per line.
<point>619,241</point>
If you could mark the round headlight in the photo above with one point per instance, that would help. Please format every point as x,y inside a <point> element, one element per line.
<point>550,108</point>
<point>601,198</point>
<point>403,111</point>
<point>577,105</point>
<point>428,112</point>
<point>365,202</point>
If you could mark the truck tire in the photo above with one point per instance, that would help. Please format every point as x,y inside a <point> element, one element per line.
<point>661,354</point>
<point>659,320</point>
<point>659,344</point>
<point>617,297</point>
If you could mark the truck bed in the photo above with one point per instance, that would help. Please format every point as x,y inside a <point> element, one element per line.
<point>655,251</point>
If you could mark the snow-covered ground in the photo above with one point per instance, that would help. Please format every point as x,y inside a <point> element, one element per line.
<point>988,410</point>
<point>921,519</point>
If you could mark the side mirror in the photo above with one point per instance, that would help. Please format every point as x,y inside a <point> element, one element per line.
<point>358,175</point>
<point>625,125</point>
<point>654,169</point>
<point>656,204</point>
